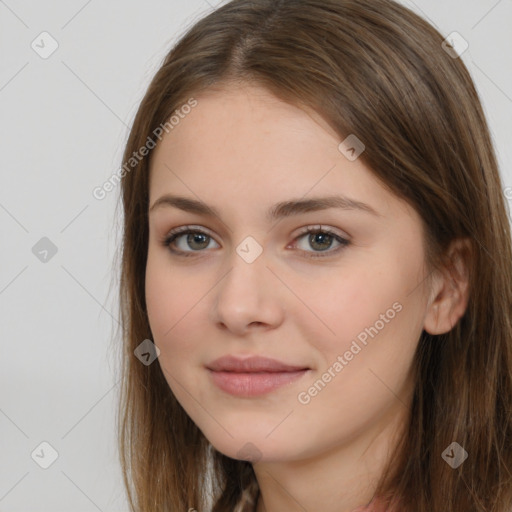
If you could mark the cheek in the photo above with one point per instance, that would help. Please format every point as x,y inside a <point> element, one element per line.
<point>170,303</point>
<point>343,306</point>
<point>161,299</point>
<point>170,308</point>
<point>368,314</point>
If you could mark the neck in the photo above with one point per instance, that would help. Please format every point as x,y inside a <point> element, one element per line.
<point>340,480</point>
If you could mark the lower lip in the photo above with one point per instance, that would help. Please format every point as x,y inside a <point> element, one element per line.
<point>253,384</point>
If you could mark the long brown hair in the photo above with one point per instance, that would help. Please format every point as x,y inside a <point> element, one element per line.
<point>375,69</point>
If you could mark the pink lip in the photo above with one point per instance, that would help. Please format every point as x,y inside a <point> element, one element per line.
<point>252,376</point>
<point>251,364</point>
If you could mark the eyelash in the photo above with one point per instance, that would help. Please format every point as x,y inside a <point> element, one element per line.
<point>185,230</point>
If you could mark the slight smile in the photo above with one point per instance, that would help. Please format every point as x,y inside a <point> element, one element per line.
<point>252,376</point>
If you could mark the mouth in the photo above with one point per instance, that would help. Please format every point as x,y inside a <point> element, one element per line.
<point>252,376</point>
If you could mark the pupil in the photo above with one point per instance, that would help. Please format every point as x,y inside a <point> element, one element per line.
<point>322,237</point>
<point>192,238</point>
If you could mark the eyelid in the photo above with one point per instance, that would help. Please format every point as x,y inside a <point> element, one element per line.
<point>304,230</point>
<point>324,229</point>
<point>189,227</point>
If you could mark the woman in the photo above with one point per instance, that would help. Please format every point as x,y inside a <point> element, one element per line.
<point>316,271</point>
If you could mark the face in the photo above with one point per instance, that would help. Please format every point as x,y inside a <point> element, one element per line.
<point>333,291</point>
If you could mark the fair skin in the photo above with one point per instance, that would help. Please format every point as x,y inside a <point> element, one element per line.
<point>241,150</point>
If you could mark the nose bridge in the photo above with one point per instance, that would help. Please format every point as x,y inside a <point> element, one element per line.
<point>245,295</point>
<point>247,265</point>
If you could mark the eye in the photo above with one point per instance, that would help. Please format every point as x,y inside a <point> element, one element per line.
<point>321,240</point>
<point>196,239</point>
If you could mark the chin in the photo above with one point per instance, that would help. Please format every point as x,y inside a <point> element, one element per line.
<point>255,448</point>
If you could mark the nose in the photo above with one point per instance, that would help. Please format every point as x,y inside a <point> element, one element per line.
<point>248,297</point>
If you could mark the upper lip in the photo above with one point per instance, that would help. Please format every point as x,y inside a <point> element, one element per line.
<point>251,364</point>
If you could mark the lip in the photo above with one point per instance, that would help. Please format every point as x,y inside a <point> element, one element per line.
<point>252,376</point>
<point>251,364</point>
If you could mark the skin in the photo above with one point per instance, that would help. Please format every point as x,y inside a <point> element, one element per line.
<point>241,150</point>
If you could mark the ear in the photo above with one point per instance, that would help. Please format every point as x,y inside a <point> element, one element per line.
<point>450,287</point>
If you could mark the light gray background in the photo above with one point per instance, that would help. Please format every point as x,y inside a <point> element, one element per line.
<point>63,124</point>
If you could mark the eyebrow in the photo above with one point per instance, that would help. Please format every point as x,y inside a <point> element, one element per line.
<point>277,211</point>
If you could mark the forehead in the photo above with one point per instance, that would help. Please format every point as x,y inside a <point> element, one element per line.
<point>245,117</point>
<point>244,146</point>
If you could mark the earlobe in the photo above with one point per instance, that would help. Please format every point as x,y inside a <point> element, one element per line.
<point>450,290</point>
